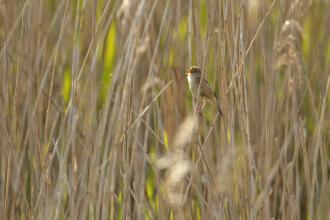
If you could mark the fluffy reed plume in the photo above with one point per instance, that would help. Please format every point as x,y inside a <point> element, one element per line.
<point>185,132</point>
<point>125,11</point>
<point>178,166</point>
<point>288,47</point>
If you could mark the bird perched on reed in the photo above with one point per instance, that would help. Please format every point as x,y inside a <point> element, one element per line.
<point>200,87</point>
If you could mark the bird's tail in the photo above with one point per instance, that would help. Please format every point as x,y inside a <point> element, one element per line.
<point>218,104</point>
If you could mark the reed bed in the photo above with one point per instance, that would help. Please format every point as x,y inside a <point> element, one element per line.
<point>97,122</point>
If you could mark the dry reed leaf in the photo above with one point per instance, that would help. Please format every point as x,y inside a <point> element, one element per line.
<point>152,82</point>
<point>253,10</point>
<point>222,184</point>
<point>296,8</point>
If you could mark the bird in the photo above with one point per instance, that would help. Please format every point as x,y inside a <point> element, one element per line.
<point>206,92</point>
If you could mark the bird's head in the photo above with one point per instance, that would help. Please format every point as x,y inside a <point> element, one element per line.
<point>194,71</point>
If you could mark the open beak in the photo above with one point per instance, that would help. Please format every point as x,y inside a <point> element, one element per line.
<point>188,72</point>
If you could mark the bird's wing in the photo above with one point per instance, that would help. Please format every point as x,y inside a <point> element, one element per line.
<point>207,90</point>
<point>210,94</point>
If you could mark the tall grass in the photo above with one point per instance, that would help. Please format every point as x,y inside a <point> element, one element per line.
<point>96,119</point>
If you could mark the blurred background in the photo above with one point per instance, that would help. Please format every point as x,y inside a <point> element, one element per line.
<point>97,121</point>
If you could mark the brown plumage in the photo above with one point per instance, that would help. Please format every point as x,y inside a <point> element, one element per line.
<point>206,92</point>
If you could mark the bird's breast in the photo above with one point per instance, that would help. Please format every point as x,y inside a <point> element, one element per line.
<point>193,85</point>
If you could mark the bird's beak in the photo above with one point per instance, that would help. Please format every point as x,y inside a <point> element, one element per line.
<point>187,72</point>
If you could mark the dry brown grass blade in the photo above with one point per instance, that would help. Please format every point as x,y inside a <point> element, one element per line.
<point>95,112</point>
